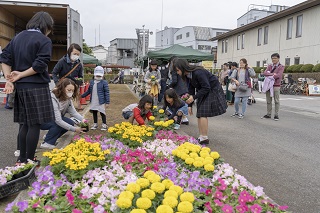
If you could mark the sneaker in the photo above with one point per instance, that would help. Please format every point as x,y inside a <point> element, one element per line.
<point>241,116</point>
<point>235,114</point>
<point>204,142</point>
<point>17,153</point>
<point>176,126</point>
<point>94,126</point>
<point>265,117</point>
<point>185,122</point>
<point>104,127</point>
<point>45,145</point>
<point>276,118</point>
<point>44,137</point>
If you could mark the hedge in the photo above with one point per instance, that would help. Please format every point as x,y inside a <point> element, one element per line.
<point>316,68</point>
<point>108,77</point>
<point>306,68</point>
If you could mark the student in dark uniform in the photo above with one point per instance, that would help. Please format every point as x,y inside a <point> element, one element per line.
<point>204,87</point>
<point>25,62</point>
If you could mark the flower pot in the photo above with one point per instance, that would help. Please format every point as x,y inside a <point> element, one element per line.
<point>86,128</point>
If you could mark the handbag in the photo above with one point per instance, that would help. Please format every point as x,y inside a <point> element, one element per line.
<point>232,87</point>
<point>243,87</point>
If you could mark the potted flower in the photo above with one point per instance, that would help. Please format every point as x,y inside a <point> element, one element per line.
<point>185,97</point>
<point>84,125</point>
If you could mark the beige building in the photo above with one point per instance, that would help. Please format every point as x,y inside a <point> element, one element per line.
<point>294,33</point>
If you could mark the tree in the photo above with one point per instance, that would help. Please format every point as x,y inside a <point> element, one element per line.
<point>86,49</point>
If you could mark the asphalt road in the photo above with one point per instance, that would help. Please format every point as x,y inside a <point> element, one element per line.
<point>281,156</point>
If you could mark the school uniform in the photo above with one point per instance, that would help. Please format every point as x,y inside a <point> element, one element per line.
<point>32,103</point>
<point>208,93</point>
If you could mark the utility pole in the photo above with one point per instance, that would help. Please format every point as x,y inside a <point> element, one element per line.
<point>143,42</point>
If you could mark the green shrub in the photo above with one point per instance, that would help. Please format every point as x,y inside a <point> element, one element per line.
<point>285,69</point>
<point>258,69</point>
<point>306,68</point>
<point>296,67</point>
<point>316,68</point>
<point>290,68</point>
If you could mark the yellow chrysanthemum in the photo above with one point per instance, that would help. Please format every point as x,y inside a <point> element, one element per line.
<point>209,167</point>
<point>143,203</point>
<point>143,182</point>
<point>187,196</point>
<point>171,193</point>
<point>151,118</point>
<point>138,211</point>
<point>124,203</point>
<point>148,193</point>
<point>185,207</point>
<point>198,164</point>
<point>170,201</point>
<point>215,155</point>
<point>167,183</point>
<point>133,187</point>
<point>126,194</point>
<point>206,162</point>
<point>176,188</point>
<point>161,111</point>
<point>158,187</point>
<point>154,178</point>
<point>189,161</point>
<point>164,209</point>
<point>147,173</point>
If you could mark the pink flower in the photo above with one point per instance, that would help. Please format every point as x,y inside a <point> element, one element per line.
<point>227,209</point>
<point>244,193</point>
<point>283,208</point>
<point>208,192</point>
<point>70,197</point>
<point>256,208</point>
<point>250,199</point>
<point>36,205</point>
<point>242,209</point>
<point>218,202</point>
<point>222,187</point>
<point>208,206</point>
<point>242,200</point>
<point>49,208</point>
<point>76,211</point>
<point>218,194</point>
<point>128,167</point>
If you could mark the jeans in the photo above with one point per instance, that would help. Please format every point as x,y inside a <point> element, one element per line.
<point>55,131</point>
<point>163,84</point>
<point>244,104</point>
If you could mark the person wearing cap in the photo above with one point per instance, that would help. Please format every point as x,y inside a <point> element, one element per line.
<point>100,97</point>
<point>153,78</point>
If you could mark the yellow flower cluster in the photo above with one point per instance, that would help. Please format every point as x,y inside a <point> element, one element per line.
<point>197,156</point>
<point>132,132</point>
<point>174,198</point>
<point>78,155</point>
<point>164,123</point>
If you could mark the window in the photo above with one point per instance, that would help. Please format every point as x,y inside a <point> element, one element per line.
<point>226,46</point>
<point>204,47</point>
<point>222,49</point>
<point>242,43</point>
<point>297,60</point>
<point>299,26</point>
<point>287,62</point>
<point>259,36</point>
<point>266,29</point>
<point>289,28</point>
<point>179,37</point>
<point>238,42</point>
<point>264,63</point>
<point>187,34</point>
<point>258,64</point>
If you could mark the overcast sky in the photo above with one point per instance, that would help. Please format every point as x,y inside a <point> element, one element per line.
<point>120,18</point>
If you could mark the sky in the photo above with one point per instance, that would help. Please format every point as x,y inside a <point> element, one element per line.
<point>120,18</point>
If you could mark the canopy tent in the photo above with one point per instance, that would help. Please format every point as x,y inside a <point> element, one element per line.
<point>88,59</point>
<point>187,53</point>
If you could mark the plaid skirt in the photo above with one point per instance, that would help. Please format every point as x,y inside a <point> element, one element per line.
<point>212,104</point>
<point>33,106</point>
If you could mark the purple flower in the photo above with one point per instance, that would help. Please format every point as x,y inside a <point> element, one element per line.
<point>98,209</point>
<point>9,207</point>
<point>23,205</point>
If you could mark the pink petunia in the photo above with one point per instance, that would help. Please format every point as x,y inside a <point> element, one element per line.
<point>49,208</point>
<point>208,206</point>
<point>227,209</point>
<point>250,199</point>
<point>256,208</point>
<point>244,193</point>
<point>242,200</point>
<point>283,208</point>
<point>36,205</point>
<point>218,194</point>
<point>218,202</point>
<point>70,197</point>
<point>242,209</point>
<point>76,211</point>
<point>208,192</point>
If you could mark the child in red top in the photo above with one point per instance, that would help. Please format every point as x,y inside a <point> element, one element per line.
<point>139,112</point>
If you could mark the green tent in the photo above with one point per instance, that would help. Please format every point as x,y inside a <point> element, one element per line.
<point>187,53</point>
<point>88,59</point>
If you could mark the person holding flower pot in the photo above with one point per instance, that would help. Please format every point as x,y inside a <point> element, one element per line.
<point>210,96</point>
<point>62,99</point>
<point>153,78</point>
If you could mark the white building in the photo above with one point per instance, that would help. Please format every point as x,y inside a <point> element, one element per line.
<point>122,51</point>
<point>165,38</point>
<point>256,12</point>
<point>294,33</point>
<point>100,53</point>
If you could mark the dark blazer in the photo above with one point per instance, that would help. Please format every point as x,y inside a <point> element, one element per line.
<point>178,84</point>
<point>64,66</point>
<point>103,91</point>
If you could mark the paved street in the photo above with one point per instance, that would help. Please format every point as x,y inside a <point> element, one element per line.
<point>281,156</point>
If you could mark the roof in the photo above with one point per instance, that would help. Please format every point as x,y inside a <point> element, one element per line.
<point>287,12</point>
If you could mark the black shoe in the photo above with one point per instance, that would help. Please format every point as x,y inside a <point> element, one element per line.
<point>204,142</point>
<point>265,116</point>
<point>185,122</point>
<point>276,118</point>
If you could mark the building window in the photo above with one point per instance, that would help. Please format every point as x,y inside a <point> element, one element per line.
<point>258,64</point>
<point>259,36</point>
<point>264,63</point>
<point>266,29</point>
<point>226,46</point>
<point>242,43</point>
<point>187,34</point>
<point>179,37</point>
<point>238,42</point>
<point>204,47</point>
<point>287,62</point>
<point>289,28</point>
<point>222,49</point>
<point>297,60</point>
<point>299,26</point>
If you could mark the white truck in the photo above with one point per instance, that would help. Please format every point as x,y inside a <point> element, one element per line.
<point>14,16</point>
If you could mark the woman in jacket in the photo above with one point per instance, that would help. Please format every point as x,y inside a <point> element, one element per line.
<point>67,63</point>
<point>241,77</point>
<point>204,87</point>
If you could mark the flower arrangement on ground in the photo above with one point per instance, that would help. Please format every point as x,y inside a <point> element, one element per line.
<point>11,173</point>
<point>131,135</point>
<point>84,124</point>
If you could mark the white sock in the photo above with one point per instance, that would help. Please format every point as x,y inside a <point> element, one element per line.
<point>203,137</point>
<point>184,119</point>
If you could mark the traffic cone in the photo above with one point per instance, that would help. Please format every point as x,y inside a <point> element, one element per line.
<point>82,100</point>
<point>4,101</point>
<point>88,96</point>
